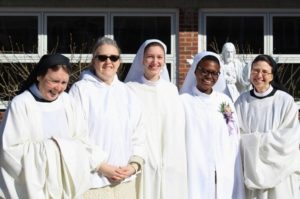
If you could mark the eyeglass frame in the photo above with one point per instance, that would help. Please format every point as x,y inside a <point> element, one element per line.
<point>205,72</point>
<point>264,73</point>
<point>103,58</point>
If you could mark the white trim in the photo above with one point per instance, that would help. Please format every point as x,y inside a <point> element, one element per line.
<point>19,58</point>
<point>4,105</point>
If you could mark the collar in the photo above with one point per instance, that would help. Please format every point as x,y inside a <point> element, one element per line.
<point>150,83</point>
<point>33,89</point>
<point>199,93</point>
<point>268,93</point>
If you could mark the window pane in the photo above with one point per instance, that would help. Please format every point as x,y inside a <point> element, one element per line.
<point>246,33</point>
<point>286,32</point>
<point>70,34</point>
<point>12,75</point>
<point>18,34</point>
<point>123,70</point>
<point>77,69</point>
<point>131,32</point>
<point>290,77</point>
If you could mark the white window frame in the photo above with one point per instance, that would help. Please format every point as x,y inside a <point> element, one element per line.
<point>84,58</point>
<point>284,58</point>
<point>43,13</point>
<point>267,14</point>
<point>22,58</point>
<point>228,13</point>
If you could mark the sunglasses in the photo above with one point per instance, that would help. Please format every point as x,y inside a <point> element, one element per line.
<point>103,58</point>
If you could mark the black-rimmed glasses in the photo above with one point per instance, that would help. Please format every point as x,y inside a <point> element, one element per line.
<point>205,72</point>
<point>103,58</point>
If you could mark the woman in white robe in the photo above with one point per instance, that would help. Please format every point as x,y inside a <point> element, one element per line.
<point>164,175</point>
<point>269,135</point>
<point>212,134</point>
<point>44,150</point>
<point>114,122</point>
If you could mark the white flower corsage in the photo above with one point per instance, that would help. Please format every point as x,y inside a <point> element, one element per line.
<point>227,112</point>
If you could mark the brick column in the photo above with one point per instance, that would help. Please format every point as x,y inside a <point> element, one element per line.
<point>188,40</point>
<point>2,112</point>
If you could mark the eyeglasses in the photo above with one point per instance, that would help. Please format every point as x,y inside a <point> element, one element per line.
<point>103,58</point>
<point>205,72</point>
<point>263,72</point>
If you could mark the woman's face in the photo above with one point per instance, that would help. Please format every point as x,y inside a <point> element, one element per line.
<point>261,76</point>
<point>207,74</point>
<point>106,68</point>
<point>53,83</point>
<point>154,60</point>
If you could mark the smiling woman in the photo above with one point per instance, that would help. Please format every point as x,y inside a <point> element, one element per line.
<point>113,117</point>
<point>270,129</point>
<point>164,123</point>
<point>106,62</point>
<point>211,130</point>
<point>51,72</point>
<point>43,137</point>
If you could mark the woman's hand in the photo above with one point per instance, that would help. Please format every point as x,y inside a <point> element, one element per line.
<point>117,174</point>
<point>130,169</point>
<point>112,173</point>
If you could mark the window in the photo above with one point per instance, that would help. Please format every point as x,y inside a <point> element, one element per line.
<point>11,76</point>
<point>246,32</point>
<point>253,32</point>
<point>26,35</point>
<point>290,77</point>
<point>73,34</point>
<point>18,34</point>
<point>130,32</point>
<point>286,35</point>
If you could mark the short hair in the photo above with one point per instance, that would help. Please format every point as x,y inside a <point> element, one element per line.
<point>105,41</point>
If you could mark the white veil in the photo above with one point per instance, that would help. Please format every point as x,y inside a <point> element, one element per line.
<point>190,79</point>
<point>136,70</point>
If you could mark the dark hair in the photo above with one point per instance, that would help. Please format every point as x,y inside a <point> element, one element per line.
<point>154,44</point>
<point>48,61</point>
<point>276,82</point>
<point>208,57</point>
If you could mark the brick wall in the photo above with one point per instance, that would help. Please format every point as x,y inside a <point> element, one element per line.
<point>188,40</point>
<point>2,111</point>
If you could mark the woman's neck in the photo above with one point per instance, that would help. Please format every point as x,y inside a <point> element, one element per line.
<point>152,78</point>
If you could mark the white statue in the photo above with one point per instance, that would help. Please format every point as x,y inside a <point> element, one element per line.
<point>234,78</point>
